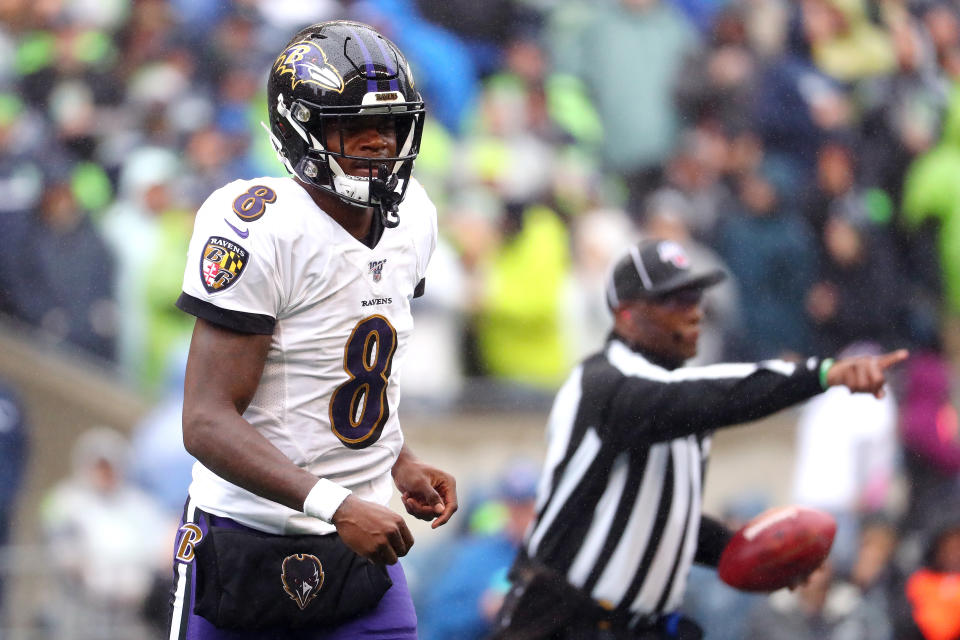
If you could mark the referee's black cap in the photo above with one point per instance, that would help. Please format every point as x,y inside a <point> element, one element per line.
<point>653,269</point>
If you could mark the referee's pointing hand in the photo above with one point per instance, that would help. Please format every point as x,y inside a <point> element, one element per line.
<point>864,373</point>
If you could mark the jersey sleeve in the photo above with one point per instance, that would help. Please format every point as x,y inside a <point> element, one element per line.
<point>230,278</point>
<point>662,405</point>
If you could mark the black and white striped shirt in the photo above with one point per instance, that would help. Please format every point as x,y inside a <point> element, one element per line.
<point>619,502</point>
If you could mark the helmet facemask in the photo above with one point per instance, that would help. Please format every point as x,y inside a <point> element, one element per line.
<point>386,179</point>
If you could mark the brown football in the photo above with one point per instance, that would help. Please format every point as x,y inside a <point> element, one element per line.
<point>777,548</point>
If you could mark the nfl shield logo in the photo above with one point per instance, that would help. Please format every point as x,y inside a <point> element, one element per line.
<point>376,269</point>
<point>673,253</point>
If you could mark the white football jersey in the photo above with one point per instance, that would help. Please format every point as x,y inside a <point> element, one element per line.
<point>264,258</point>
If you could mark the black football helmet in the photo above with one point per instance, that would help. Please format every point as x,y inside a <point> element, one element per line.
<point>344,70</point>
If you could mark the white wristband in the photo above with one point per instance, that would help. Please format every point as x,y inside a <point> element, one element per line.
<point>324,499</point>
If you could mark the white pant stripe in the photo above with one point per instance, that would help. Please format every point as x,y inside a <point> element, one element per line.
<point>177,628</point>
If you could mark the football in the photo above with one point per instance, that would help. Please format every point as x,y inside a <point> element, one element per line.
<point>776,549</point>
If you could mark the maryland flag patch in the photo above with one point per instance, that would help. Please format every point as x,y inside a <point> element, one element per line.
<point>222,263</point>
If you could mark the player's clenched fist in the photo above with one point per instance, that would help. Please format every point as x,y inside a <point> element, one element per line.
<point>372,531</point>
<point>864,373</point>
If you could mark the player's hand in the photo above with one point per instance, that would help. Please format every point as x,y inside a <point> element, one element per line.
<point>865,373</point>
<point>427,493</point>
<point>802,580</point>
<point>372,531</point>
<point>818,577</point>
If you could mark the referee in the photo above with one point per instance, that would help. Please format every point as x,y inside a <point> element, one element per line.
<point>619,519</point>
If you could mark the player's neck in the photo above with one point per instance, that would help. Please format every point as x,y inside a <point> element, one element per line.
<point>356,221</point>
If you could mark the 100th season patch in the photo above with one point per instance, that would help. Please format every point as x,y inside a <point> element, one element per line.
<point>221,264</point>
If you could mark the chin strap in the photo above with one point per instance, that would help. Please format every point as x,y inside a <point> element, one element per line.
<point>383,189</point>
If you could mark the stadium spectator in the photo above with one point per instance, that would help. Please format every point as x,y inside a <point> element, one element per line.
<point>836,182</point>
<point>461,600</point>
<point>823,608</point>
<point>931,442</point>
<point>942,25</point>
<point>930,200</point>
<point>22,181</point>
<point>716,82</point>
<point>521,339</point>
<point>844,42</point>
<point>776,272</point>
<point>703,13</point>
<point>846,458</point>
<point>598,235</point>
<point>859,268</point>
<point>486,30</point>
<point>159,463</point>
<point>555,107</point>
<point>58,268</point>
<point>877,571</point>
<point>147,228</point>
<point>695,173</point>
<point>640,122</point>
<point>933,590</point>
<point>902,110</point>
<point>14,452</point>
<point>447,74</point>
<point>796,104</point>
<point>283,15</point>
<point>107,541</point>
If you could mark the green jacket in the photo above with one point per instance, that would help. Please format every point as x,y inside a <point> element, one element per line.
<point>520,330</point>
<point>931,191</point>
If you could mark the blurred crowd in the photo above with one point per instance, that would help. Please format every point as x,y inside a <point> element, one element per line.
<point>810,147</point>
<point>806,146</point>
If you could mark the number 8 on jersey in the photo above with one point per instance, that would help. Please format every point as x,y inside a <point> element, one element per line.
<point>359,407</point>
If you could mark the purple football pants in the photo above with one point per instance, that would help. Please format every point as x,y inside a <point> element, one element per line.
<point>393,618</point>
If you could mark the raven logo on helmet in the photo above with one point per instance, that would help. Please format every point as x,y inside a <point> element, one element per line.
<point>302,576</point>
<point>307,63</point>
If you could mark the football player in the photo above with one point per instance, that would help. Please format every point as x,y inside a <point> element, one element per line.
<point>301,287</point>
